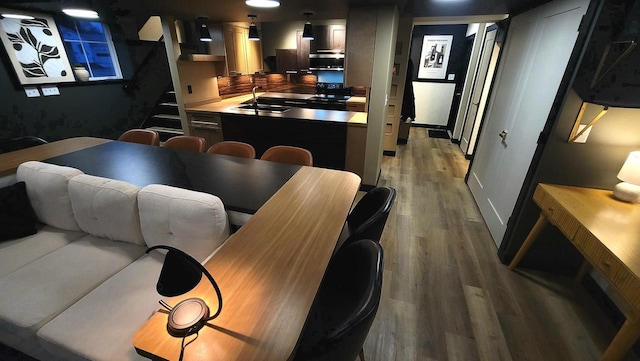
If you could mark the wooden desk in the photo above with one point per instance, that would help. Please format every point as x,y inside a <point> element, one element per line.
<point>607,233</point>
<point>269,272</point>
<point>9,162</point>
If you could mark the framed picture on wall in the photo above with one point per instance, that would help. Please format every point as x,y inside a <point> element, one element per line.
<point>434,56</point>
<point>35,49</point>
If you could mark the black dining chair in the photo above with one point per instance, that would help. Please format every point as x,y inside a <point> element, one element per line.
<point>345,306</point>
<point>369,216</point>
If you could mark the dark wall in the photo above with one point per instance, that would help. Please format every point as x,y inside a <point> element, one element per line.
<point>89,109</point>
<point>458,61</point>
<point>593,164</point>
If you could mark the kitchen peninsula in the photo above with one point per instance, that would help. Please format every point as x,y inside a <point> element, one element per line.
<point>336,138</point>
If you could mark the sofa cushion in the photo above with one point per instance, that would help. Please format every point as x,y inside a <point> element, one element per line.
<point>47,187</point>
<point>17,218</point>
<point>44,288</point>
<point>118,308</point>
<point>20,252</point>
<point>106,208</point>
<point>193,222</point>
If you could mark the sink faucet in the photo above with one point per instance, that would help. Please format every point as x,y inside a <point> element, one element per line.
<point>253,92</point>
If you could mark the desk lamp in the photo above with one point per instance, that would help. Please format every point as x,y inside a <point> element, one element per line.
<point>629,189</point>
<point>181,273</point>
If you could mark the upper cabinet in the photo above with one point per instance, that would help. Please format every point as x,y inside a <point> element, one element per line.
<point>328,37</point>
<point>244,56</point>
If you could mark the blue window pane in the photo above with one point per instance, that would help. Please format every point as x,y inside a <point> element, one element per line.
<point>91,31</point>
<point>75,53</point>
<point>67,29</point>
<point>99,59</point>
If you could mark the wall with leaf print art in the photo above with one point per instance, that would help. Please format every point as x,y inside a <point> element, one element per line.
<point>36,50</point>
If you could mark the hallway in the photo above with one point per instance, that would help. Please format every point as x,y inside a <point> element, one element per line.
<point>446,296</point>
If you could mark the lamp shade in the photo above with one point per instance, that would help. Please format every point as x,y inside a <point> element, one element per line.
<point>204,33</point>
<point>307,32</point>
<point>253,32</point>
<point>630,171</point>
<point>178,275</point>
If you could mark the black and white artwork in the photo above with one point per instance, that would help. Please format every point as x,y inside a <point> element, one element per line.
<point>434,57</point>
<point>36,50</point>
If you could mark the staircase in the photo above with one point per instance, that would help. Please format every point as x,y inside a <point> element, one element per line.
<point>165,118</point>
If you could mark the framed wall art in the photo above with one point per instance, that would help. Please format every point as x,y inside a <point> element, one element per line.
<point>35,49</point>
<point>434,57</point>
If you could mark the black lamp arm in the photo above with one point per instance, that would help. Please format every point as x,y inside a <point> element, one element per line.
<point>201,267</point>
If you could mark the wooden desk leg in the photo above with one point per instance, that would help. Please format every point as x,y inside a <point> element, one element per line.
<point>535,231</point>
<point>623,340</point>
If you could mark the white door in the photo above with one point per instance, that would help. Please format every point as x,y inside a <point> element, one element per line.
<point>479,84</point>
<point>539,44</point>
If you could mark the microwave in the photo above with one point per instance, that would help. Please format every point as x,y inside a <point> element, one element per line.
<point>326,61</point>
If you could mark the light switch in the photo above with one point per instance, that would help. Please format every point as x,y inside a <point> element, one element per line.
<point>32,92</point>
<point>49,90</point>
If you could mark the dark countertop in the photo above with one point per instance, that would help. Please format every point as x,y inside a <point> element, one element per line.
<point>229,106</point>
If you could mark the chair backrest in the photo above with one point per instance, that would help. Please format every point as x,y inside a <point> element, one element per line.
<point>236,149</point>
<point>140,136</point>
<point>345,305</point>
<point>185,142</point>
<point>13,144</point>
<point>368,218</point>
<point>288,154</point>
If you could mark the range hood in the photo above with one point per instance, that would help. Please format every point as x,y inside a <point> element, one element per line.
<point>192,49</point>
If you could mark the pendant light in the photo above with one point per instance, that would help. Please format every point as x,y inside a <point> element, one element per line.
<point>204,30</point>
<point>253,29</point>
<point>263,3</point>
<point>307,32</point>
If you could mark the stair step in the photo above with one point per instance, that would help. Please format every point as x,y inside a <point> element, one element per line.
<point>169,104</point>
<point>167,130</point>
<point>166,116</point>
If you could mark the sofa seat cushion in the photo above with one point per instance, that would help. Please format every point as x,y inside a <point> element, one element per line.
<point>191,221</point>
<point>44,288</point>
<point>22,251</point>
<point>47,187</point>
<point>106,208</point>
<point>101,325</point>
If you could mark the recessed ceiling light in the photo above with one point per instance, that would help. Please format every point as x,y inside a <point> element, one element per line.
<point>263,3</point>
<point>18,16</point>
<point>81,13</point>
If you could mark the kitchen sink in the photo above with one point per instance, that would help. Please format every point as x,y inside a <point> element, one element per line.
<point>269,108</point>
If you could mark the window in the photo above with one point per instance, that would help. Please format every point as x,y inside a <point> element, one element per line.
<point>89,43</point>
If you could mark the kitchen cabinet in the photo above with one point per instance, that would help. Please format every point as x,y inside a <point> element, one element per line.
<point>243,56</point>
<point>286,60</point>
<point>207,126</point>
<point>328,37</point>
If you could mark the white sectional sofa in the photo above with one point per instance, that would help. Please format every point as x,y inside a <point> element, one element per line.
<point>82,285</point>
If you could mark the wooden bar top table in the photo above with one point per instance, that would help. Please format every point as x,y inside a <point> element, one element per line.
<point>9,162</point>
<point>269,273</point>
<point>607,233</point>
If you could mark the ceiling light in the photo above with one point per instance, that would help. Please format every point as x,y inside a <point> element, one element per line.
<point>253,29</point>
<point>81,13</point>
<point>263,3</point>
<point>307,32</point>
<point>17,16</point>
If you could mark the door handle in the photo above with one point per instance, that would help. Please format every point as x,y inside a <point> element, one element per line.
<point>503,135</point>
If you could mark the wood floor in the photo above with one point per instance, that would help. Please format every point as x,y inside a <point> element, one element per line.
<point>446,296</point>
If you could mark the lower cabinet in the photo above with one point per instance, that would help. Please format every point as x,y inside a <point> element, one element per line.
<point>207,126</point>
<point>325,140</point>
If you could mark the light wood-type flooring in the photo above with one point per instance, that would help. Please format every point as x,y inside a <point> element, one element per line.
<point>447,297</point>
